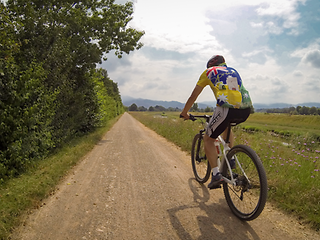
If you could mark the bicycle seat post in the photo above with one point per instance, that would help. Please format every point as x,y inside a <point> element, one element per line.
<point>228,133</point>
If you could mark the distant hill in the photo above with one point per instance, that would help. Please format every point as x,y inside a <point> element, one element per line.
<point>148,103</point>
<point>285,105</point>
<point>175,104</point>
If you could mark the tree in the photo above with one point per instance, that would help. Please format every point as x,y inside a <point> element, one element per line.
<point>142,109</point>
<point>208,109</point>
<point>151,109</point>
<point>313,111</point>
<point>50,89</point>
<point>26,106</point>
<point>194,108</point>
<point>133,107</point>
<point>112,90</point>
<point>299,109</point>
<point>304,110</point>
<point>171,109</point>
<point>159,108</point>
<point>68,38</point>
<point>84,30</point>
<point>292,110</point>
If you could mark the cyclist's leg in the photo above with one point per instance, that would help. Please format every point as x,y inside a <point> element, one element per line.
<point>216,126</point>
<point>212,156</point>
<point>231,139</point>
<point>211,151</point>
<point>235,116</point>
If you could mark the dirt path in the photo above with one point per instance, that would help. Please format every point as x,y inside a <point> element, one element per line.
<point>136,185</point>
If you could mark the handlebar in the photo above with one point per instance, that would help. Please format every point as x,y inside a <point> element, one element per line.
<point>193,117</point>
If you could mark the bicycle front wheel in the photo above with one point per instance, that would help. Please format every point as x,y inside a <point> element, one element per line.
<point>200,164</point>
<point>248,198</point>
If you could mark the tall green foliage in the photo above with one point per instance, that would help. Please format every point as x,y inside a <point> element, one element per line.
<point>108,103</point>
<point>26,105</point>
<point>70,38</point>
<point>50,88</point>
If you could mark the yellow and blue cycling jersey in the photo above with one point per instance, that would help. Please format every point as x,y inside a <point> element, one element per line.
<point>227,87</point>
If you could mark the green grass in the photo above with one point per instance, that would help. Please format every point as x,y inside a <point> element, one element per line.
<point>285,124</point>
<point>287,145</point>
<point>293,173</point>
<point>18,196</point>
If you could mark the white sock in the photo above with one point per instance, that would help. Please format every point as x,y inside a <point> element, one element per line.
<point>215,171</point>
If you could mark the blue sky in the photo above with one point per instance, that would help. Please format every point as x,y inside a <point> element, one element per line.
<point>275,46</point>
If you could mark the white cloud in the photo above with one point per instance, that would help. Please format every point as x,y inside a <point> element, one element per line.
<point>297,73</point>
<point>183,31</point>
<point>276,7</point>
<point>267,27</point>
<point>285,10</point>
<point>313,57</point>
<point>267,88</point>
<point>309,55</point>
<point>188,26</point>
<point>181,35</point>
<point>269,83</point>
<point>273,28</point>
<point>257,51</point>
<point>257,25</point>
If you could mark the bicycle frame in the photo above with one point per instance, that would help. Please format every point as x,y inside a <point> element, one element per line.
<point>236,183</point>
<point>226,149</point>
<point>223,156</point>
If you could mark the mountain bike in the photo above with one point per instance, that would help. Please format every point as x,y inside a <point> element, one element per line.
<point>244,178</point>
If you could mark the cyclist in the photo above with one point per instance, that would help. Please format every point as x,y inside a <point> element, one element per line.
<point>233,105</point>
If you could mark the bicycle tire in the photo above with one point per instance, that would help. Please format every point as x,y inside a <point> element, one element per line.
<point>200,164</point>
<point>246,200</point>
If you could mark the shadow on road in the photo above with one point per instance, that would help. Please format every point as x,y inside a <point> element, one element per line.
<point>214,221</point>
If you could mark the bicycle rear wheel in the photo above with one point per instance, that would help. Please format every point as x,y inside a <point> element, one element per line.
<point>248,198</point>
<point>200,164</point>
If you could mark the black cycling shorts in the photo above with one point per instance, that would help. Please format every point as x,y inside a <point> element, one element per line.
<point>222,117</point>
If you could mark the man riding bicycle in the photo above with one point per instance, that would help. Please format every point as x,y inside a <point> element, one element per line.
<point>233,106</point>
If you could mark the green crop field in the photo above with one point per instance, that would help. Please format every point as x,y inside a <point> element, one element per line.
<point>287,145</point>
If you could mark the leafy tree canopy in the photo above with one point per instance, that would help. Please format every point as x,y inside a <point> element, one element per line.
<point>65,33</point>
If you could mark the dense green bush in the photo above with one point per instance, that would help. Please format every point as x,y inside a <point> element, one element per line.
<point>26,105</point>
<point>50,89</point>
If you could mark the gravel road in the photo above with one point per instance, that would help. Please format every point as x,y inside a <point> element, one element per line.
<point>136,185</point>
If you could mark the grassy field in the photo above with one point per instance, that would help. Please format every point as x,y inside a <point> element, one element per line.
<point>287,145</point>
<point>299,125</point>
<point>21,195</point>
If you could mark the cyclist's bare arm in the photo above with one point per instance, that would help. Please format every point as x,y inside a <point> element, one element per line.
<point>193,97</point>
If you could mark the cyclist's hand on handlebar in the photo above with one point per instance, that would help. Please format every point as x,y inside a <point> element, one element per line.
<point>188,117</point>
<point>185,117</point>
<point>191,117</point>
